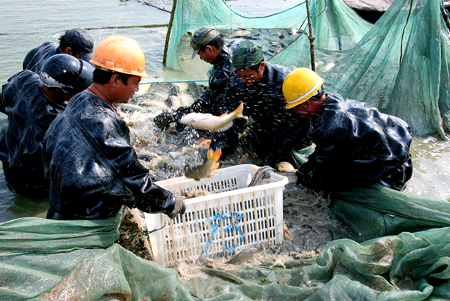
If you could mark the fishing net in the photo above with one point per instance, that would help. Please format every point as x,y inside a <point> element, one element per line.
<point>401,66</point>
<point>336,27</point>
<point>407,254</point>
<point>78,260</point>
<point>376,64</point>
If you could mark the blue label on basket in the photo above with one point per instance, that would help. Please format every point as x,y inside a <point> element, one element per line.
<point>233,219</point>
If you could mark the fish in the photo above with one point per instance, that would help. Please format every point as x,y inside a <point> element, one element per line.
<point>286,233</point>
<point>241,32</point>
<point>145,156</point>
<point>245,255</point>
<point>259,174</point>
<point>209,122</point>
<point>204,170</point>
<point>204,143</point>
<point>180,100</point>
<point>244,159</point>
<point>128,107</point>
<point>285,167</point>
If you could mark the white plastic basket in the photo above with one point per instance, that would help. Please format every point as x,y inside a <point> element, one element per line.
<point>221,224</point>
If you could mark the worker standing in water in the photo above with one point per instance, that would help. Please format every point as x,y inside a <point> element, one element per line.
<point>91,165</point>
<point>209,44</point>
<point>32,101</point>
<point>355,145</point>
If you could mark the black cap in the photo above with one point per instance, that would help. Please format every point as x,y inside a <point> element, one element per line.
<point>80,41</point>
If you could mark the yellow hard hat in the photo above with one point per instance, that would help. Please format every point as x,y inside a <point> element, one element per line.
<point>299,85</point>
<point>120,54</point>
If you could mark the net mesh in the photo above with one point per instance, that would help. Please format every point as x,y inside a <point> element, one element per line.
<point>399,64</point>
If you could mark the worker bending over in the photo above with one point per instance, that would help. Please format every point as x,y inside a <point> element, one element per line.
<point>89,160</point>
<point>355,145</point>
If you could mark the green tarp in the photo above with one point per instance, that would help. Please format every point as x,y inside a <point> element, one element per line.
<point>78,260</point>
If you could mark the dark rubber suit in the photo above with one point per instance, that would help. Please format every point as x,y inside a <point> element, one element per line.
<point>37,56</point>
<point>357,145</point>
<point>275,130</point>
<point>213,100</point>
<point>93,168</point>
<point>29,116</point>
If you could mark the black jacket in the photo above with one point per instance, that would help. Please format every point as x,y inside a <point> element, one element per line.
<point>276,130</point>
<point>29,116</point>
<point>37,56</point>
<point>357,145</point>
<point>92,167</point>
<point>214,99</point>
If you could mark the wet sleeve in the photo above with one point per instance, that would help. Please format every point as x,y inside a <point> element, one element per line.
<point>7,95</point>
<point>215,99</point>
<point>2,103</point>
<point>353,151</point>
<point>154,198</point>
<point>146,195</point>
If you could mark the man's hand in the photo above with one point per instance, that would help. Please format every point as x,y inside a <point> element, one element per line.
<point>164,119</point>
<point>179,208</point>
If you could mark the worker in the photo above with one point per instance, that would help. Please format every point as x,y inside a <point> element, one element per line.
<point>75,42</point>
<point>274,130</point>
<point>355,145</point>
<point>32,102</point>
<point>209,44</point>
<point>91,165</point>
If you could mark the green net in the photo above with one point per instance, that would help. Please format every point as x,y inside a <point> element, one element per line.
<point>336,27</point>
<point>407,256</point>
<point>78,260</point>
<point>401,66</point>
<point>43,259</point>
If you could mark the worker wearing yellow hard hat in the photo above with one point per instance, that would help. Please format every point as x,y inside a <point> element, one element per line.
<point>89,161</point>
<point>300,85</point>
<point>355,145</point>
<point>120,54</point>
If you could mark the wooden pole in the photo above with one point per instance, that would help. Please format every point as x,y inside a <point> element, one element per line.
<point>169,31</point>
<point>311,37</point>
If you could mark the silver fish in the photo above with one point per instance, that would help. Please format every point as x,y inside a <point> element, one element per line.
<point>245,255</point>
<point>209,122</point>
